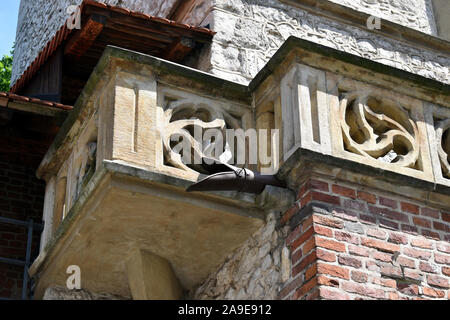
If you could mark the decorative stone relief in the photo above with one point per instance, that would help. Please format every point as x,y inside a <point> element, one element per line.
<point>416,14</point>
<point>73,175</point>
<point>443,145</point>
<point>87,167</point>
<point>188,116</point>
<point>60,293</point>
<point>334,115</point>
<point>379,128</point>
<point>82,162</point>
<point>250,32</point>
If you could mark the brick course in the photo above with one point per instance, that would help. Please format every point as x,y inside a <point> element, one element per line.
<point>364,244</point>
<point>21,198</point>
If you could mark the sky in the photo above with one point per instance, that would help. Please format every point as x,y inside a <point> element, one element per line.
<point>9,11</point>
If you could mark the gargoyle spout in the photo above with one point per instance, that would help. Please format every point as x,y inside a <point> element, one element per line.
<point>233,179</point>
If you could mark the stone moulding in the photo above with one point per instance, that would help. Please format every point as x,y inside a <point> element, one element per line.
<point>379,121</point>
<point>346,111</point>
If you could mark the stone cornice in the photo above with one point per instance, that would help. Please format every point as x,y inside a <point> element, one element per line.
<point>313,162</point>
<point>293,43</point>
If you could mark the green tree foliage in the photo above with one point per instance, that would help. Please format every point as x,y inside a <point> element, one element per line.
<point>5,71</point>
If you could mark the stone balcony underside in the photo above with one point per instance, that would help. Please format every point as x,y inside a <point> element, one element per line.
<point>124,208</point>
<point>114,185</point>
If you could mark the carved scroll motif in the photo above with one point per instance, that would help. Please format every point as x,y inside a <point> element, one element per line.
<point>443,145</point>
<point>379,128</point>
<point>181,118</point>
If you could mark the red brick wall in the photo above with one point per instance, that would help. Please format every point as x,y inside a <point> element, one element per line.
<point>353,243</point>
<point>21,198</point>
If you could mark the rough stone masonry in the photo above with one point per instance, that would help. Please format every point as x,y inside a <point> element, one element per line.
<point>341,241</point>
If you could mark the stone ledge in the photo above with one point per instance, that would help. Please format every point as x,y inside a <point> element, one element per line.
<point>272,198</point>
<point>293,42</point>
<point>359,173</point>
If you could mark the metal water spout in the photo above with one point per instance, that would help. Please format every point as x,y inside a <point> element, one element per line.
<point>225,177</point>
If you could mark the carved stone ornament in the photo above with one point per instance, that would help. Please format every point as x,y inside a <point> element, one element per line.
<point>443,145</point>
<point>182,117</point>
<point>378,128</point>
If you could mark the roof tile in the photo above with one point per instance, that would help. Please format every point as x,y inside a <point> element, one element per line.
<point>15,97</point>
<point>63,33</point>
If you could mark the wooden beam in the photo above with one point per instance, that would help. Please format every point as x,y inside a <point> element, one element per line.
<point>3,102</point>
<point>46,84</point>
<point>179,49</point>
<point>157,40</point>
<point>36,108</point>
<point>167,30</point>
<point>85,37</point>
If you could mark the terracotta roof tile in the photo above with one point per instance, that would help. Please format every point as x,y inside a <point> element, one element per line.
<point>48,50</point>
<point>144,16</point>
<point>96,3</point>
<point>16,98</point>
<point>141,15</point>
<point>120,10</point>
<point>64,32</point>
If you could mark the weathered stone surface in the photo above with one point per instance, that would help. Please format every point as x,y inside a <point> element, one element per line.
<point>253,271</point>
<point>416,14</point>
<point>121,108</point>
<point>440,10</point>
<point>60,293</point>
<point>152,278</point>
<point>249,32</point>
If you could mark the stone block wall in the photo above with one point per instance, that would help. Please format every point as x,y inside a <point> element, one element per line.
<point>249,32</point>
<point>343,241</point>
<point>338,240</point>
<point>415,14</point>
